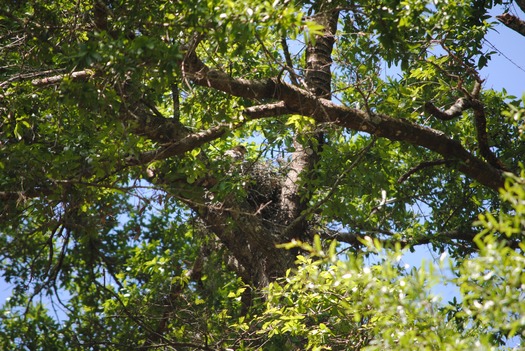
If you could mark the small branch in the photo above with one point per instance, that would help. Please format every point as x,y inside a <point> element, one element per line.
<point>454,111</point>
<point>469,69</point>
<point>521,4</point>
<point>477,88</point>
<point>171,302</point>
<point>423,165</point>
<point>153,109</point>
<point>356,239</point>
<point>142,324</point>
<point>58,78</point>
<point>187,143</point>
<point>23,76</point>
<point>21,196</point>
<point>289,62</point>
<point>267,110</point>
<point>512,22</point>
<point>190,61</point>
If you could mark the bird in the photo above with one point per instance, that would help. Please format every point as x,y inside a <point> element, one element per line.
<point>235,157</point>
<point>236,153</point>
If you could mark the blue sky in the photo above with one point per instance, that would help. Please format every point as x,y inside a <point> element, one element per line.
<point>507,67</point>
<point>505,70</point>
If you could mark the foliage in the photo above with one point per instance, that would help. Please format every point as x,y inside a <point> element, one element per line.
<point>340,301</point>
<point>127,221</point>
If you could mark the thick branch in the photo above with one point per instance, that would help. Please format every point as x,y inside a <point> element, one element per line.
<point>58,78</point>
<point>319,55</point>
<point>294,198</point>
<point>196,71</point>
<point>454,111</point>
<point>267,110</point>
<point>512,22</point>
<point>480,122</point>
<point>305,103</point>
<point>402,130</point>
<point>249,240</point>
<point>190,142</point>
<point>332,190</point>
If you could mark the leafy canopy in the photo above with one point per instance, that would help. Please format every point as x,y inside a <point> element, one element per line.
<point>126,221</point>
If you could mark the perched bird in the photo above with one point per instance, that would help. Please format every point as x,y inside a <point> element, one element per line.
<point>237,153</point>
<point>235,157</point>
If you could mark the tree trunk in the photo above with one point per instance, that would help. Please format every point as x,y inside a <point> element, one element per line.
<point>249,234</point>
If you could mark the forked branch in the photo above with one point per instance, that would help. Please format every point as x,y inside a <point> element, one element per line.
<point>300,101</point>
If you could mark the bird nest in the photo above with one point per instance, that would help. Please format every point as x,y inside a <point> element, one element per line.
<point>263,191</point>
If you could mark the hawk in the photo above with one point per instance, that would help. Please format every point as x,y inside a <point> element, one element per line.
<point>237,153</point>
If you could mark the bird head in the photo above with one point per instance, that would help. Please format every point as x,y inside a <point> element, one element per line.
<point>236,152</point>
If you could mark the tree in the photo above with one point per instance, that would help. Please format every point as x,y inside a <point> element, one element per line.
<point>123,208</point>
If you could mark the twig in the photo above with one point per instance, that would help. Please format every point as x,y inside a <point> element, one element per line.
<point>289,62</point>
<point>423,165</point>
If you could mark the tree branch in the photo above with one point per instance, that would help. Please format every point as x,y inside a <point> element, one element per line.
<point>21,196</point>
<point>512,22</point>
<point>190,142</point>
<point>176,102</point>
<point>421,166</point>
<point>302,102</point>
<point>289,62</point>
<point>23,76</point>
<point>87,73</point>
<point>480,122</point>
<point>356,239</point>
<point>200,74</point>
<point>267,110</point>
<point>332,190</point>
<point>452,112</point>
<point>318,79</point>
<point>521,4</point>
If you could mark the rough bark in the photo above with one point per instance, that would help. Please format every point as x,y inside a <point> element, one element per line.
<point>300,101</point>
<point>452,112</point>
<point>513,22</point>
<point>318,79</point>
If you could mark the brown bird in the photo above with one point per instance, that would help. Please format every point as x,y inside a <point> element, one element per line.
<point>237,153</point>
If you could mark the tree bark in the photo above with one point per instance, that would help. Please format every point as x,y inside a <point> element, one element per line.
<point>318,79</point>
<point>513,22</point>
